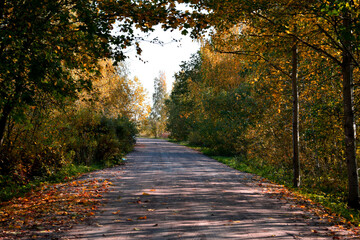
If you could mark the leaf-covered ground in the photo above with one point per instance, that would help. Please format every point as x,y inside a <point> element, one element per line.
<point>50,209</point>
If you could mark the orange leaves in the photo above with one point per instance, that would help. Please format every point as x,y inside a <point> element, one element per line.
<point>142,218</point>
<point>117,212</point>
<point>51,206</point>
<point>231,222</point>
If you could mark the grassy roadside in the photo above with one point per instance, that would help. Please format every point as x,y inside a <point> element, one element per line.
<point>334,204</point>
<point>11,189</point>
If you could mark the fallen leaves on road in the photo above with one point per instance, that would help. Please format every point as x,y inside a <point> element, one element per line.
<point>231,222</point>
<point>50,208</point>
<point>117,212</point>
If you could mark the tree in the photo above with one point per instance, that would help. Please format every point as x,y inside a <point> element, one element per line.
<point>337,38</point>
<point>180,105</point>
<point>45,46</point>
<point>158,110</point>
<point>255,42</point>
<point>114,94</point>
<point>295,108</point>
<point>335,23</point>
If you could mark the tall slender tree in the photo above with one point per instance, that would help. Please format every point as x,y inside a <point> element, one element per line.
<point>158,111</point>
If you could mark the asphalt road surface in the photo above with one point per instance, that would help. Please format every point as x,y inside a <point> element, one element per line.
<point>167,191</point>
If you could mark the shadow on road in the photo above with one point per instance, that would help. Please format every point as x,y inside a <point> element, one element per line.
<point>167,191</point>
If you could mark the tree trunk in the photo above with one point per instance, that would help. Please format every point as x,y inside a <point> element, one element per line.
<point>349,120</point>
<point>3,121</point>
<point>295,93</point>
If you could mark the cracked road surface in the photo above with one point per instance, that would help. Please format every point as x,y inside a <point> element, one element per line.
<point>168,191</point>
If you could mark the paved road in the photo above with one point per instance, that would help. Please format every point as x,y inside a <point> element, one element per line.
<point>167,191</point>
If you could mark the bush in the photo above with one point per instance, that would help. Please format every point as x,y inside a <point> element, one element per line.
<point>115,138</point>
<point>44,147</point>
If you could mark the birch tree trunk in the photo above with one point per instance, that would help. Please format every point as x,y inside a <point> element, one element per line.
<point>295,125</point>
<point>349,120</point>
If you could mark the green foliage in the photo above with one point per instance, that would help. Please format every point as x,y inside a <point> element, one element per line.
<point>47,47</point>
<point>45,147</point>
<point>117,136</point>
<point>180,105</point>
<point>52,139</point>
<point>63,147</point>
<point>94,138</point>
<point>241,104</point>
<point>207,114</point>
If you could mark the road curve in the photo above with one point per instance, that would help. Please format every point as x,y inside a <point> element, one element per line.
<point>167,191</point>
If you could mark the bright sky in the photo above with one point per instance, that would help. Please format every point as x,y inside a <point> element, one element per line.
<point>166,58</point>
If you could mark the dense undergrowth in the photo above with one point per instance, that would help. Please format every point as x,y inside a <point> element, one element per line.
<point>82,151</point>
<point>57,138</point>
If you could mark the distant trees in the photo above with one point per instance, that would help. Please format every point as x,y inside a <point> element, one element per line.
<point>115,94</point>
<point>158,111</point>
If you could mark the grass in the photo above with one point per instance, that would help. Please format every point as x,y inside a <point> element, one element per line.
<point>11,189</point>
<point>334,202</point>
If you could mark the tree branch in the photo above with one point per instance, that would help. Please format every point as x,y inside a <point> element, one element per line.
<point>306,43</point>
<point>255,54</point>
